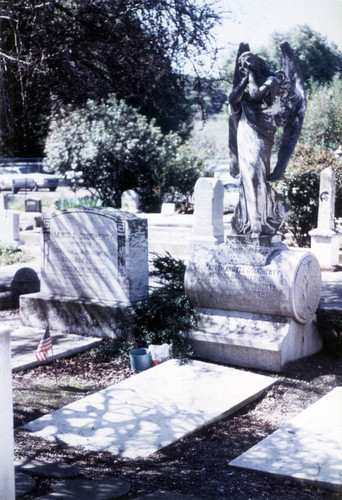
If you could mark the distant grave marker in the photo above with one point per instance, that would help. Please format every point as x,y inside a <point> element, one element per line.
<point>33,205</point>
<point>325,238</point>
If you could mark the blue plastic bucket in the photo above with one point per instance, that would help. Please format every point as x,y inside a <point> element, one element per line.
<point>140,359</point>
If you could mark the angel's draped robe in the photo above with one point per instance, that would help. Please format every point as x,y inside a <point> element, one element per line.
<point>260,210</point>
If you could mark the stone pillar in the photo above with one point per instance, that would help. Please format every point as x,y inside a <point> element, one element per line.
<point>9,227</point>
<point>208,214</point>
<point>7,489</point>
<point>325,239</point>
<point>3,201</point>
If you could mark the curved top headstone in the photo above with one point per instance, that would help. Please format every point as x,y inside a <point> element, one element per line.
<point>99,254</point>
<point>208,214</point>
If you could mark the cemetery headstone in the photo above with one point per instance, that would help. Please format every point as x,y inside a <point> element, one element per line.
<point>33,205</point>
<point>325,238</point>
<point>94,265</point>
<point>168,209</point>
<point>130,201</point>
<point>208,212</point>
<point>25,280</point>
<point>3,201</point>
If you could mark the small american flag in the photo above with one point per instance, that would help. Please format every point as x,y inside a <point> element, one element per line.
<point>44,346</point>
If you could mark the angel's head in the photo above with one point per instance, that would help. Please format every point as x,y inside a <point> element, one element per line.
<point>251,62</point>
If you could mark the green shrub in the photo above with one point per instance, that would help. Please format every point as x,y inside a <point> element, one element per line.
<point>10,254</point>
<point>330,328</point>
<point>167,312</point>
<point>163,318</point>
<point>108,148</point>
<point>18,203</point>
<point>84,202</point>
<point>301,188</point>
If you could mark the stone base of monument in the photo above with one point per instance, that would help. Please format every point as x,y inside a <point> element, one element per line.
<point>325,245</point>
<point>258,341</point>
<point>83,316</point>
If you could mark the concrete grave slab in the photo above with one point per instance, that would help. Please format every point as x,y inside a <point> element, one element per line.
<point>25,340</point>
<point>142,414</point>
<point>309,447</point>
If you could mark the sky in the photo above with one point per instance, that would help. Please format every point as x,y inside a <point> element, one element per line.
<point>253,21</point>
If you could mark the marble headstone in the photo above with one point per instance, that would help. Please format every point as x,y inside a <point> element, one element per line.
<point>130,201</point>
<point>9,227</point>
<point>95,254</point>
<point>208,213</point>
<point>254,299</point>
<point>94,268</point>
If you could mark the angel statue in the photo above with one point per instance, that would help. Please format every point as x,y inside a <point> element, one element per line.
<point>260,102</point>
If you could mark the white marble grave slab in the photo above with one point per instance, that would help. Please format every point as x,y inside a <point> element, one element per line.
<point>149,411</point>
<point>309,447</point>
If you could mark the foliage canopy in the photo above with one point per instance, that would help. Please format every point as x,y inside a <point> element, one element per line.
<point>301,187</point>
<point>322,128</point>
<point>319,61</point>
<point>70,51</point>
<point>108,147</point>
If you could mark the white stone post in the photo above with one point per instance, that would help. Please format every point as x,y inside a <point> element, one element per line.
<point>9,227</point>
<point>208,213</point>
<point>7,488</point>
<point>325,238</point>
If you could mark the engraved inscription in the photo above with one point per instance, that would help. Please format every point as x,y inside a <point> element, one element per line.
<point>81,253</point>
<point>99,254</point>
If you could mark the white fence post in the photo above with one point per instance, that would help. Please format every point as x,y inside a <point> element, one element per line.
<point>7,487</point>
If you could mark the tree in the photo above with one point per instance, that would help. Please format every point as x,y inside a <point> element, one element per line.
<point>85,49</point>
<point>322,128</point>
<point>301,187</point>
<point>319,61</point>
<point>108,147</point>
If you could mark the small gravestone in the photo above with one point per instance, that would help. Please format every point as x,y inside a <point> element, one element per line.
<point>25,280</point>
<point>33,205</point>
<point>208,213</point>
<point>325,239</point>
<point>130,201</point>
<point>7,490</point>
<point>94,266</point>
<point>168,209</point>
